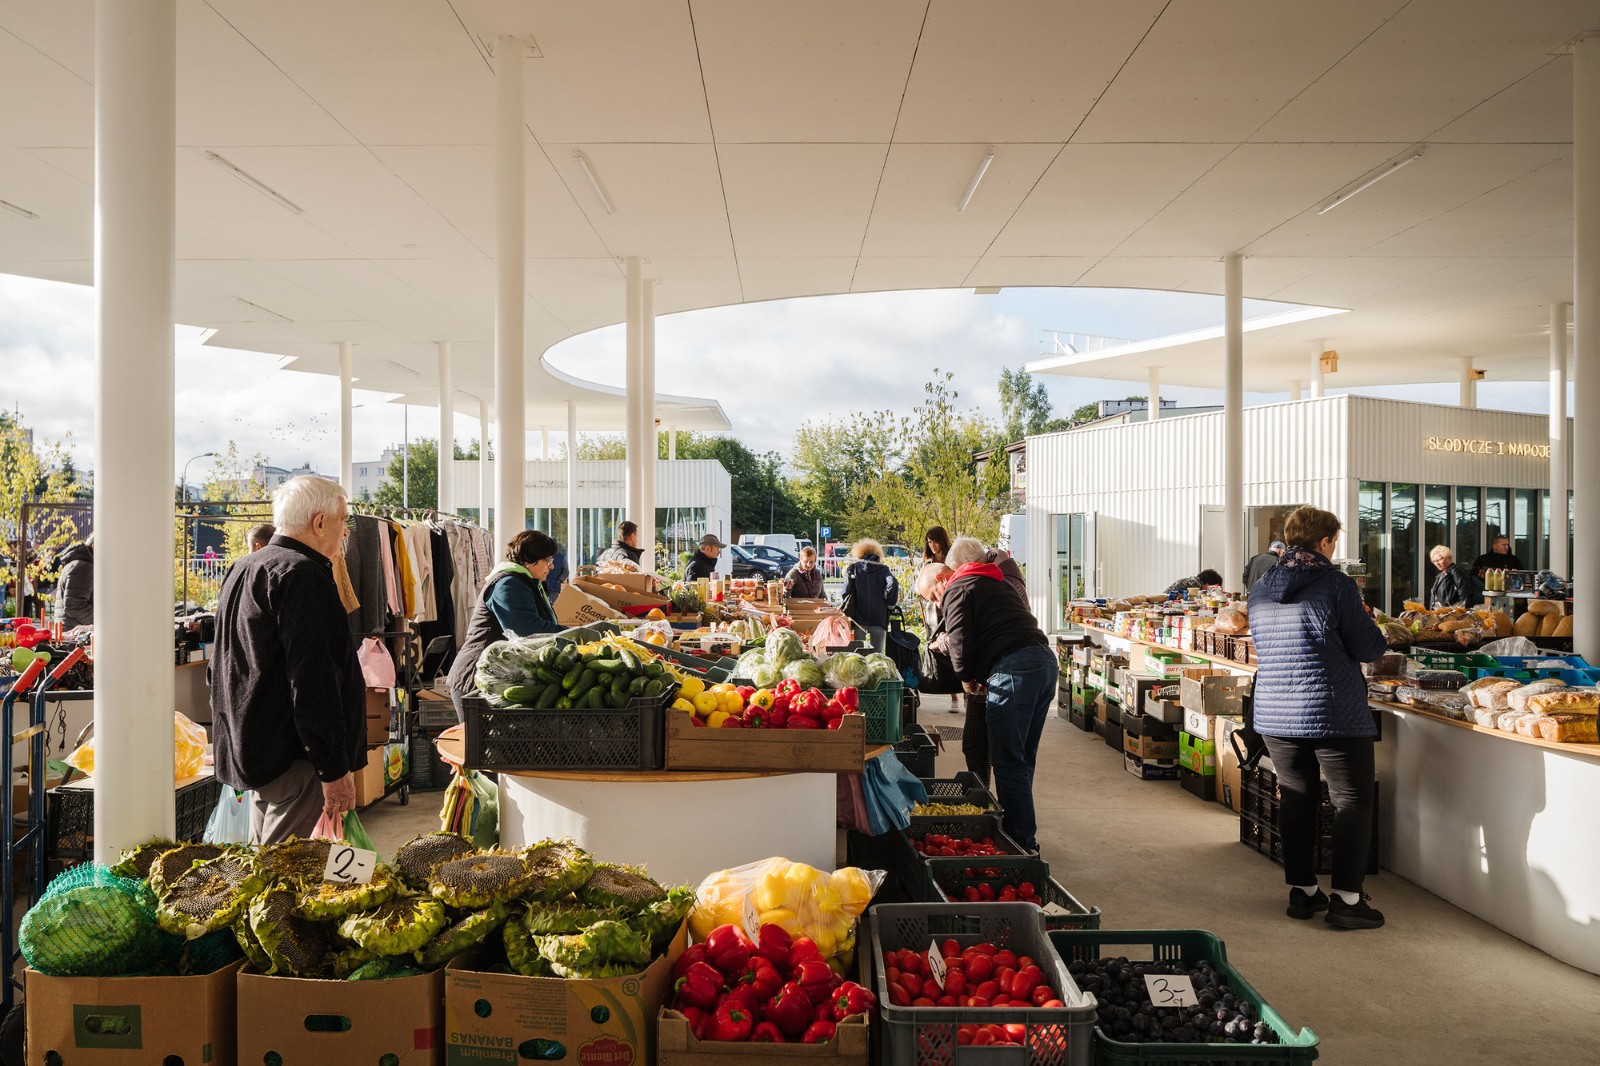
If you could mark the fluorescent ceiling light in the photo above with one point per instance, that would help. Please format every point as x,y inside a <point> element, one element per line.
<point>407,369</point>
<point>1370,180</point>
<point>256,183</point>
<point>20,212</point>
<point>986,290</point>
<point>1062,364</point>
<point>594,181</point>
<point>977,176</point>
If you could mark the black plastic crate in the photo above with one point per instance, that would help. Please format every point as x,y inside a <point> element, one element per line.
<point>917,753</point>
<point>433,716</point>
<point>520,738</point>
<point>70,817</point>
<point>952,876</point>
<point>968,826</point>
<point>893,854</point>
<point>429,772</point>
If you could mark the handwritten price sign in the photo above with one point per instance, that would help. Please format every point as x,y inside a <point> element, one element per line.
<point>1170,990</point>
<point>350,866</point>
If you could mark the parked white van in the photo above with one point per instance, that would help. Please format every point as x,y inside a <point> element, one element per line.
<point>1014,535</point>
<point>787,541</point>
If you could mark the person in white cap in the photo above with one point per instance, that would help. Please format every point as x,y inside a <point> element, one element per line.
<point>704,562</point>
<point>1262,563</point>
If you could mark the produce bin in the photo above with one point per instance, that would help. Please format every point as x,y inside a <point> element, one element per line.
<point>70,816</point>
<point>917,753</point>
<point>952,875</point>
<point>1451,660</point>
<point>1187,946</point>
<point>926,1036</point>
<point>894,855</point>
<point>959,790</point>
<point>692,747</point>
<point>522,738</point>
<point>970,826</point>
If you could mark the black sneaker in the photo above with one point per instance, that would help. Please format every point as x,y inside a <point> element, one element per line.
<point>1357,915</point>
<point>1302,906</point>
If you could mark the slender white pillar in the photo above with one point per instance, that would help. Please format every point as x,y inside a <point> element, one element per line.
<point>647,419</point>
<point>1469,384</point>
<point>572,486</point>
<point>634,400</point>
<point>510,406</point>
<point>1155,393</point>
<point>447,432</point>
<point>483,463</point>
<point>1317,376</point>
<point>672,443</point>
<point>135,95</point>
<point>544,442</point>
<point>347,360</point>
<point>1586,349</point>
<point>1233,419</point>
<point>1294,390</point>
<point>1559,481</point>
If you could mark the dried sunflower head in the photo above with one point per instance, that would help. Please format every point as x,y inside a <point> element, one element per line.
<point>293,945</point>
<point>210,895</point>
<point>621,887</point>
<point>296,863</point>
<point>415,860</point>
<point>558,867</point>
<point>172,864</point>
<point>476,881</point>
<point>462,934</point>
<point>136,861</point>
<point>331,899</point>
<point>398,927</point>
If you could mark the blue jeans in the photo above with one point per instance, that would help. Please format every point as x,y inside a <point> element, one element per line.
<point>1021,688</point>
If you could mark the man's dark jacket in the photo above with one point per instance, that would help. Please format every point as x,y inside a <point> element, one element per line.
<point>985,620</point>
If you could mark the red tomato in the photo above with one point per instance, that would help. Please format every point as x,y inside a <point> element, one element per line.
<point>893,973</point>
<point>1041,993</point>
<point>971,895</point>
<point>949,948</point>
<point>1018,1033</point>
<point>955,982</point>
<point>922,1001</point>
<point>1052,1004</point>
<point>945,1001</point>
<point>1024,961</point>
<point>931,989</point>
<point>911,983</point>
<point>1006,958</point>
<point>987,990</point>
<point>977,1001</point>
<point>898,997</point>
<point>964,1034</point>
<point>1022,987</point>
<point>1001,1001</point>
<point>982,1038</point>
<point>980,968</point>
<point>1003,976</point>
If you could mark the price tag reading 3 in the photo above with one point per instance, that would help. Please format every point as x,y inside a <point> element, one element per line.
<point>936,967</point>
<point>1170,990</point>
<point>350,866</point>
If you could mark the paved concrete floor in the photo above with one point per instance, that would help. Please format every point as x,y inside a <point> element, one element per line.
<point>1436,985</point>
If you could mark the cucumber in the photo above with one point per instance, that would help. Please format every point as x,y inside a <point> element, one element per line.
<point>570,681</point>
<point>564,703</point>
<point>655,687</point>
<point>567,659</point>
<point>636,686</point>
<point>653,668</point>
<point>616,700</point>
<point>585,683</point>
<point>630,660</point>
<point>546,676</point>
<point>522,695</point>
<point>607,666</point>
<point>549,695</point>
<point>594,699</point>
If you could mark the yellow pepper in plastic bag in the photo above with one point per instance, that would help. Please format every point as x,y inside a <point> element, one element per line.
<point>188,750</point>
<point>805,901</point>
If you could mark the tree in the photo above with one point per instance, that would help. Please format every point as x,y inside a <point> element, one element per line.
<point>1091,411</point>
<point>423,488</point>
<point>30,473</point>
<point>834,460</point>
<point>230,489</point>
<point>1025,407</point>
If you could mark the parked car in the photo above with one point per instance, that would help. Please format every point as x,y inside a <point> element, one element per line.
<point>896,551</point>
<point>747,565</point>
<point>773,554</point>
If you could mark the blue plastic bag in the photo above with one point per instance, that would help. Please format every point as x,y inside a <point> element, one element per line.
<point>890,791</point>
<point>230,822</point>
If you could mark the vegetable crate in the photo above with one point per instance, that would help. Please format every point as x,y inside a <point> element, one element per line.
<point>895,856</point>
<point>882,704</point>
<point>1187,946</point>
<point>1577,678</point>
<point>1451,660</point>
<point>962,788</point>
<point>521,738</point>
<point>1258,821</point>
<point>926,1036</point>
<point>70,817</point>
<point>713,671</point>
<point>968,826</point>
<point>952,876</point>
<point>917,753</point>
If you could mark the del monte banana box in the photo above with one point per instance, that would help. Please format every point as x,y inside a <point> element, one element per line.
<point>492,1019</point>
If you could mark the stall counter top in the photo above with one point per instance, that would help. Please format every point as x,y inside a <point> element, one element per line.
<point>1588,751</point>
<point>1231,664</point>
<point>454,748</point>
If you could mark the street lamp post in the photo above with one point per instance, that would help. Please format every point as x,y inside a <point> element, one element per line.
<point>202,455</point>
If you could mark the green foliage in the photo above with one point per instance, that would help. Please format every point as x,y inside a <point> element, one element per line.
<point>232,478</point>
<point>837,460</point>
<point>1091,411</point>
<point>33,472</point>
<point>1025,407</point>
<point>423,489</point>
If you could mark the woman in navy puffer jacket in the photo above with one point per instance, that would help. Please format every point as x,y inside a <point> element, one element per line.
<point>1312,633</point>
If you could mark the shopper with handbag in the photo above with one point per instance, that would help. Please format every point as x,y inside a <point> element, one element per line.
<point>513,600</point>
<point>870,589</point>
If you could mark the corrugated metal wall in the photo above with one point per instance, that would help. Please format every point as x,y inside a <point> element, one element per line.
<point>1388,443</point>
<point>603,483</point>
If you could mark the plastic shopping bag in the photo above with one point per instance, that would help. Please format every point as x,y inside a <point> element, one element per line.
<point>802,899</point>
<point>891,791</point>
<point>230,821</point>
<point>377,665</point>
<point>188,749</point>
<point>471,808</point>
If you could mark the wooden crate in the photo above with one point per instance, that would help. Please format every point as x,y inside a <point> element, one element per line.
<point>841,750</point>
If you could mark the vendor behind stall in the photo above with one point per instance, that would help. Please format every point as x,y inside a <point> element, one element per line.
<point>804,580</point>
<point>513,600</point>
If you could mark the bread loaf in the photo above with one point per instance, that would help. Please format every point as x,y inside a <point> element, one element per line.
<point>1497,697</point>
<point>1526,625</point>
<point>1517,699</point>
<point>1528,725</point>
<point>1506,721</point>
<point>1570,728</point>
<point>1500,622</point>
<point>1563,627</point>
<point>1485,717</point>
<point>1572,701</point>
<point>1548,623</point>
<point>1456,623</point>
<point>1544,607</point>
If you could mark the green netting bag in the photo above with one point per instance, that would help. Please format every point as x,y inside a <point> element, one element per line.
<point>209,953</point>
<point>91,923</point>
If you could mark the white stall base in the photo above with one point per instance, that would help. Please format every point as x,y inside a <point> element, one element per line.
<point>1503,830</point>
<point>681,830</point>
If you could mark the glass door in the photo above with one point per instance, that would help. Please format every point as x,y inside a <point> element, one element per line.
<point>1524,523</point>
<point>1071,577</point>
<point>1404,533</point>
<point>1469,519</point>
<point>1372,537</point>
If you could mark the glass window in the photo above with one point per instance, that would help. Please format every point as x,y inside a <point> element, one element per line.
<point>1469,535</point>
<point>1068,563</point>
<point>1404,531</point>
<point>1524,521</point>
<point>1370,537</point>
<point>1496,514</point>
<point>1544,528</point>
<point>1436,518</point>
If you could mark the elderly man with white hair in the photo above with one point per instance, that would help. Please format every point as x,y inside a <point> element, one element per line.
<point>287,705</point>
<point>997,650</point>
<point>1455,586</point>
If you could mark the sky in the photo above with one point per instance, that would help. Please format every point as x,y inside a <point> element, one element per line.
<point>772,365</point>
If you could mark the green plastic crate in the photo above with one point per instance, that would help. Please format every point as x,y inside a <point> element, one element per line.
<point>1451,660</point>
<point>951,876</point>
<point>1189,946</point>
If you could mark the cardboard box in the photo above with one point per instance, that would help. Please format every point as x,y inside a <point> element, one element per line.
<point>1200,724</point>
<point>1201,785</point>
<point>1147,747</point>
<point>834,751</point>
<point>396,761</point>
<point>1151,769</point>
<point>632,594</point>
<point>1230,782</point>
<point>369,779</point>
<point>302,1022</point>
<point>132,1021</point>
<point>1142,725</point>
<point>1217,692</point>
<point>1135,686</point>
<point>678,1047</point>
<point>492,1017</point>
<point>575,608</point>
<point>1199,756</point>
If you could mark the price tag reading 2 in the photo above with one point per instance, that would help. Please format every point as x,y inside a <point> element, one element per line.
<point>936,967</point>
<point>752,921</point>
<point>1170,990</point>
<point>350,866</point>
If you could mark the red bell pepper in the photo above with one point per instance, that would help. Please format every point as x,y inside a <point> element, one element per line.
<point>733,722</point>
<point>767,1033</point>
<point>698,1019</point>
<point>701,986</point>
<point>800,721</point>
<point>850,998</point>
<point>849,698</point>
<point>762,976</point>
<point>777,719</point>
<point>774,944</point>
<point>787,687</point>
<point>804,949</point>
<point>747,998</point>
<point>823,1013</point>
<point>811,703</point>
<point>790,1010</point>
<point>756,717</point>
<point>729,949</point>
<point>692,954</point>
<point>836,723</point>
<point>745,692</point>
<point>819,1033</point>
<point>814,978</point>
<point>732,1022</point>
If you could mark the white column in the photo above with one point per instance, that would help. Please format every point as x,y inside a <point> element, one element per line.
<point>1586,349</point>
<point>1155,393</point>
<point>634,400</point>
<point>447,432</point>
<point>347,361</point>
<point>1317,377</point>
<point>510,406</point>
<point>572,486</point>
<point>1559,481</point>
<point>672,443</point>
<point>1294,390</point>
<point>483,463</point>
<point>1233,420</point>
<point>544,442</point>
<point>1469,384</point>
<point>135,152</point>
<point>647,419</point>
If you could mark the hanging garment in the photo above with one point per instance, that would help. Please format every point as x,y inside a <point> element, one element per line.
<point>341,581</point>
<point>364,563</point>
<point>419,546</point>
<point>403,573</point>
<point>391,584</point>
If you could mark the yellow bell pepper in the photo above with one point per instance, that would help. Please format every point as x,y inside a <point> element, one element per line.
<point>706,703</point>
<point>763,698</point>
<point>731,702</point>
<point>716,718</point>
<point>690,687</point>
<point>681,704</point>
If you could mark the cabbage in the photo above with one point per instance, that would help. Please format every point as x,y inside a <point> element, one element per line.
<point>749,662</point>
<point>766,675</point>
<point>849,671</point>
<point>807,672</point>
<point>883,668</point>
<point>784,646</point>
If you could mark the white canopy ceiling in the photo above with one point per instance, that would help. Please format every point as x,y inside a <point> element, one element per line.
<point>756,151</point>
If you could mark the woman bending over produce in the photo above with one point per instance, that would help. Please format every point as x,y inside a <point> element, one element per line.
<point>513,601</point>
